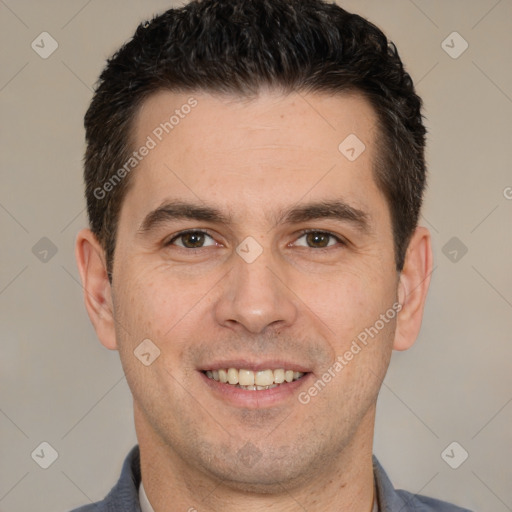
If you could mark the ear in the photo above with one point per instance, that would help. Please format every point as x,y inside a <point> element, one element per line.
<point>412,288</point>
<point>90,259</point>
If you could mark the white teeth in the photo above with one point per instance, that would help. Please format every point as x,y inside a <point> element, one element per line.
<point>279,376</point>
<point>254,381</point>
<point>245,378</point>
<point>264,378</point>
<point>232,376</point>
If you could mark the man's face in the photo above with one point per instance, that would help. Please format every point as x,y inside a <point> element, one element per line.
<point>281,299</point>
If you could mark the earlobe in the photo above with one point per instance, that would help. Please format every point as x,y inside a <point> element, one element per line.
<point>412,288</point>
<point>90,259</point>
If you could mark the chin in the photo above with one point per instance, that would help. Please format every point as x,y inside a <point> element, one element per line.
<point>261,481</point>
<point>249,470</point>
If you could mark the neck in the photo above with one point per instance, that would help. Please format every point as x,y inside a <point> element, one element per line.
<point>345,483</point>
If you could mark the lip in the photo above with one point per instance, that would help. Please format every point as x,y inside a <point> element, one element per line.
<point>256,366</point>
<point>261,399</point>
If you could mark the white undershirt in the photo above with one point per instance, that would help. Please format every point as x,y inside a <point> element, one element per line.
<point>146,506</point>
<point>375,504</point>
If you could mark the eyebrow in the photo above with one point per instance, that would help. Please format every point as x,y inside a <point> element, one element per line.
<point>334,209</point>
<point>176,210</point>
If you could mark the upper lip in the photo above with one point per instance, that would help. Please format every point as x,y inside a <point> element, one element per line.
<point>256,365</point>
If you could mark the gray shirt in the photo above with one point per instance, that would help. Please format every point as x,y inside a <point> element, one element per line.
<point>124,496</point>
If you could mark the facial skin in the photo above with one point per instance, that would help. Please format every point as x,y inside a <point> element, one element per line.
<point>297,305</point>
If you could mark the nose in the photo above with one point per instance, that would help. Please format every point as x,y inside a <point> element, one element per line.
<point>256,296</point>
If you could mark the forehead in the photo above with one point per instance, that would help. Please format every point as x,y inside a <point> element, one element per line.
<point>263,152</point>
<point>298,119</point>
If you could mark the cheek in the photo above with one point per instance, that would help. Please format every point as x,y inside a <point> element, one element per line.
<point>158,304</point>
<point>167,305</point>
<point>149,306</point>
<point>349,301</point>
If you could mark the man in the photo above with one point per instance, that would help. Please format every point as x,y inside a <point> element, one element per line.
<point>254,175</point>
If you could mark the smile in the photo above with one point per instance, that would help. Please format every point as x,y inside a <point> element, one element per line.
<point>253,380</point>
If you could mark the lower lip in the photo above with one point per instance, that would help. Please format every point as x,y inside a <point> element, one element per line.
<point>257,399</point>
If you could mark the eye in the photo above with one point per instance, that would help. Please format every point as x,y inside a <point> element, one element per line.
<point>319,239</point>
<point>192,239</point>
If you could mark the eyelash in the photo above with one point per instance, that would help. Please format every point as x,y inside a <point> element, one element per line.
<point>301,234</point>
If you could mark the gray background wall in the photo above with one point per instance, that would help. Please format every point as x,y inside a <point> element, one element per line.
<point>58,385</point>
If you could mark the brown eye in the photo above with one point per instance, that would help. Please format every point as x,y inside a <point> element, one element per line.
<point>191,240</point>
<point>316,239</point>
<point>319,240</point>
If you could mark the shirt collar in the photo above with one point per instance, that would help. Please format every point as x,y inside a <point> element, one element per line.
<point>145,506</point>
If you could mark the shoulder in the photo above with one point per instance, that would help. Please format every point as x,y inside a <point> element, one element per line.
<point>419,503</point>
<point>391,499</point>
<point>124,496</point>
<point>93,507</point>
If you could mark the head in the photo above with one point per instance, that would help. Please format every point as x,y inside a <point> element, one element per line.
<point>247,123</point>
